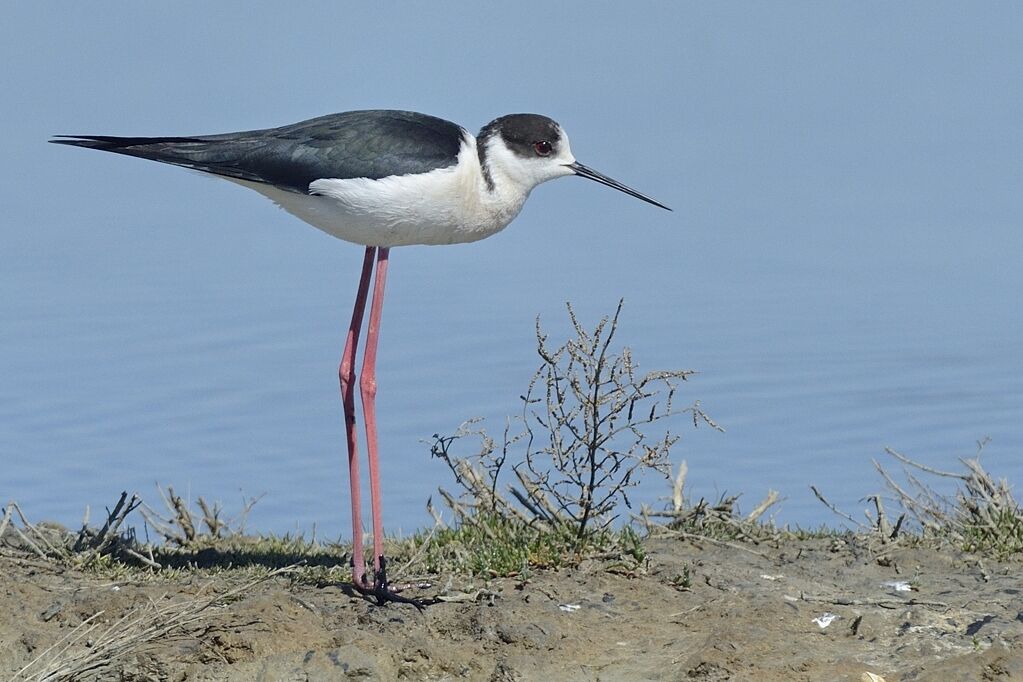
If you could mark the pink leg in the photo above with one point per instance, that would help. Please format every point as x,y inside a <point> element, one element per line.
<point>346,373</point>
<point>368,385</point>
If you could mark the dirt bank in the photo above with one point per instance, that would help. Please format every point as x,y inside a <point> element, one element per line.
<point>697,612</point>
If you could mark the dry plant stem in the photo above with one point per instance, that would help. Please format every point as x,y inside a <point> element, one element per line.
<point>461,511</point>
<point>99,542</point>
<point>882,603</point>
<point>6,520</point>
<point>703,521</point>
<point>771,499</point>
<point>147,560</point>
<point>438,521</point>
<point>677,492</point>
<point>536,495</point>
<point>824,501</point>
<point>923,467</point>
<point>32,545</point>
<point>421,550</point>
<point>182,515</point>
<point>178,525</point>
<point>721,543</point>
<point>882,519</point>
<point>236,524</point>
<point>50,552</point>
<point>179,517</point>
<point>211,517</point>
<point>115,518</point>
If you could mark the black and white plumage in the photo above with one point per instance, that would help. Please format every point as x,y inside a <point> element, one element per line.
<point>381,178</point>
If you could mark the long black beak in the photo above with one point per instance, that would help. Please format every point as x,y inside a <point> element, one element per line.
<point>588,172</point>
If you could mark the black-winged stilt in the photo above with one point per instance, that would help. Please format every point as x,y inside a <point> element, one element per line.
<point>380,179</point>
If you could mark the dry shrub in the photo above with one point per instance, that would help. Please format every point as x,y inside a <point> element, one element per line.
<point>981,514</point>
<point>582,442</point>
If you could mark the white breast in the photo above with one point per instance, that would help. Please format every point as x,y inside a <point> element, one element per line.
<point>445,206</point>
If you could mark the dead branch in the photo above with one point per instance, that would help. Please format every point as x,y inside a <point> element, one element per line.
<point>824,501</point>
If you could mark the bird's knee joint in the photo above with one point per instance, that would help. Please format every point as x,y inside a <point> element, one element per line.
<point>346,372</point>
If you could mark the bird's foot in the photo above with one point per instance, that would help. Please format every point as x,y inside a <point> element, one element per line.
<point>381,590</point>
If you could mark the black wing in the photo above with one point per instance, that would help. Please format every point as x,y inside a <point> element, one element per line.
<point>355,144</point>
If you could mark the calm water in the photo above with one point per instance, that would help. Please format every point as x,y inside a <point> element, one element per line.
<point>213,367</point>
<point>842,266</point>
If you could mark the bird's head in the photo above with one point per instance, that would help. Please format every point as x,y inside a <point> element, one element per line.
<point>528,149</point>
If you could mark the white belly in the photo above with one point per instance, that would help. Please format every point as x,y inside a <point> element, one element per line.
<point>445,206</point>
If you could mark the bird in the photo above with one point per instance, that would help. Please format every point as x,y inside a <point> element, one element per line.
<point>379,179</point>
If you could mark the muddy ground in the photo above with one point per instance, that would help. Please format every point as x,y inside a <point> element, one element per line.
<point>743,613</point>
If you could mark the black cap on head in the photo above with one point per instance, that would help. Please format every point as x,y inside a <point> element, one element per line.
<point>522,132</point>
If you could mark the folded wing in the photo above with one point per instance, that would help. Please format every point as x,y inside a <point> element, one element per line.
<point>355,144</point>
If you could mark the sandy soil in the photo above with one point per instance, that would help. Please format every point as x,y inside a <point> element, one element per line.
<point>745,616</point>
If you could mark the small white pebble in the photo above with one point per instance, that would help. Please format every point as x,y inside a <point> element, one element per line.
<point>825,619</point>
<point>898,585</point>
<point>772,577</point>
<point>116,588</point>
<point>568,608</point>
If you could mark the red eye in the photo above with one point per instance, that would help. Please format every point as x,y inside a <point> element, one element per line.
<point>543,148</point>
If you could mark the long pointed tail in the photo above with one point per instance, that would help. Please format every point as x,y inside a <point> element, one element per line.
<point>220,157</point>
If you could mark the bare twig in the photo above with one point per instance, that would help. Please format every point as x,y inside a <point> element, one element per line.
<point>697,537</point>
<point>98,542</point>
<point>824,501</point>
<point>923,467</point>
<point>882,519</point>
<point>677,497</point>
<point>771,499</point>
<point>882,603</point>
<point>6,519</point>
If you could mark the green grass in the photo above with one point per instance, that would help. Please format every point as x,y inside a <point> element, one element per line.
<point>245,556</point>
<point>490,545</point>
<point>1000,534</point>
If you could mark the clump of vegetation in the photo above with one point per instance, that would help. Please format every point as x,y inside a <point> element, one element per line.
<point>551,492</point>
<point>89,546</point>
<point>180,526</point>
<point>187,539</point>
<point>204,537</point>
<point>717,522</point>
<point>980,516</point>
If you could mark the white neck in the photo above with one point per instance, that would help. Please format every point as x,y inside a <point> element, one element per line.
<point>509,178</point>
